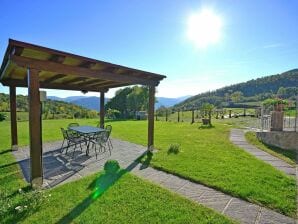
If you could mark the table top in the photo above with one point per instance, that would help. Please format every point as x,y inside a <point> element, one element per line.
<point>86,129</point>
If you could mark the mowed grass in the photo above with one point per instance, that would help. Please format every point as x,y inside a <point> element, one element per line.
<point>207,156</point>
<point>288,156</point>
<point>127,200</point>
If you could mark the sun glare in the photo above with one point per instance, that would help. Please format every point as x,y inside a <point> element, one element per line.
<point>204,28</point>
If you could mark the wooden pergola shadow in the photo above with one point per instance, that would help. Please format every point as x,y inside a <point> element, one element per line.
<point>35,67</point>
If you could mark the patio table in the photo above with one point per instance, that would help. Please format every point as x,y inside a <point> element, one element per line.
<point>88,132</point>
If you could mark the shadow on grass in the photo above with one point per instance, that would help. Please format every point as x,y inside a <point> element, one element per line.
<point>99,186</point>
<point>7,165</point>
<point>206,126</point>
<point>291,154</point>
<point>5,151</point>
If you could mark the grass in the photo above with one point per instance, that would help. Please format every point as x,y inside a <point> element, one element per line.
<point>207,156</point>
<point>94,199</point>
<point>129,199</point>
<point>288,156</point>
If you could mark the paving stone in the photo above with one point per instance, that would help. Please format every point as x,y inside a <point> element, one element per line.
<point>241,210</point>
<point>173,182</point>
<point>214,199</point>
<point>271,217</point>
<point>159,177</point>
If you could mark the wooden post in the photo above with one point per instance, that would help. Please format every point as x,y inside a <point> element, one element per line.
<point>192,116</point>
<point>13,118</point>
<point>35,129</point>
<point>166,115</point>
<point>230,113</point>
<point>244,112</point>
<point>151,118</point>
<point>178,118</point>
<point>102,109</point>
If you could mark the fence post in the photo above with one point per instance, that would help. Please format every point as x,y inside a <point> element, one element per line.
<point>296,115</point>
<point>178,116</point>
<point>262,118</point>
<point>166,115</point>
<point>192,116</point>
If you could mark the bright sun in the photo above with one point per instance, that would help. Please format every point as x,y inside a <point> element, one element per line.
<point>204,28</point>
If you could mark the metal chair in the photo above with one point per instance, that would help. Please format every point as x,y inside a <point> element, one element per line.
<point>71,140</point>
<point>73,125</point>
<point>109,130</point>
<point>101,139</point>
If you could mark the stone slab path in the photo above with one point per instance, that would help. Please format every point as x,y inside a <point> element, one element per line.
<point>235,208</point>
<point>238,138</point>
<point>60,169</point>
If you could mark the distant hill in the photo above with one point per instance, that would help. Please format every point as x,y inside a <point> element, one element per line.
<point>168,102</point>
<point>92,102</point>
<point>251,91</point>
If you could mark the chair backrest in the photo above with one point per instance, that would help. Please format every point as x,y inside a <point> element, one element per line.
<point>102,137</point>
<point>64,133</point>
<point>73,125</point>
<point>109,129</point>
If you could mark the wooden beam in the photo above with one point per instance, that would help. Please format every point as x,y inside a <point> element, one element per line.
<point>43,85</point>
<point>102,109</point>
<point>13,118</point>
<point>78,79</point>
<point>57,58</point>
<point>54,78</point>
<point>101,83</point>
<point>87,64</point>
<point>78,71</point>
<point>35,129</point>
<point>151,118</point>
<point>17,51</point>
<point>91,82</point>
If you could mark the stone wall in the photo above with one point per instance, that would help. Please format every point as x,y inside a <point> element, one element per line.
<point>281,139</point>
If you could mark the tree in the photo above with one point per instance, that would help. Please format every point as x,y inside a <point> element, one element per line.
<point>129,100</point>
<point>207,108</point>
<point>236,96</point>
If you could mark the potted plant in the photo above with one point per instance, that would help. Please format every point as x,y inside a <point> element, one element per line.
<point>277,103</point>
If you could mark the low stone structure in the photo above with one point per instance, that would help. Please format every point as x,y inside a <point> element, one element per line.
<point>281,139</point>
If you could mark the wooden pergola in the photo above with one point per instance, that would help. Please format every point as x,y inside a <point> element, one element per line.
<point>35,67</point>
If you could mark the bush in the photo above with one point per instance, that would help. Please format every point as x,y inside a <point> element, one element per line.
<point>111,166</point>
<point>2,117</point>
<point>174,148</point>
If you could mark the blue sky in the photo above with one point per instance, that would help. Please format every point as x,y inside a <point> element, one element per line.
<point>257,38</point>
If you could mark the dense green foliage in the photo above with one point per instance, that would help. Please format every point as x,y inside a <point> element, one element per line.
<point>284,85</point>
<point>207,156</point>
<point>51,109</point>
<point>129,100</point>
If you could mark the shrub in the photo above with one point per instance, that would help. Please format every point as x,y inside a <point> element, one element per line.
<point>111,166</point>
<point>2,117</point>
<point>174,148</point>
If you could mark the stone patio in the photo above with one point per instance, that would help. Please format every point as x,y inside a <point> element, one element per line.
<point>61,168</point>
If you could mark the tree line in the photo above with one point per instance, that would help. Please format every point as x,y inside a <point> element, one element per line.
<point>51,109</point>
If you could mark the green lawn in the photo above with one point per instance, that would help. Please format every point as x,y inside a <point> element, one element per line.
<point>288,156</point>
<point>94,199</point>
<point>208,157</point>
